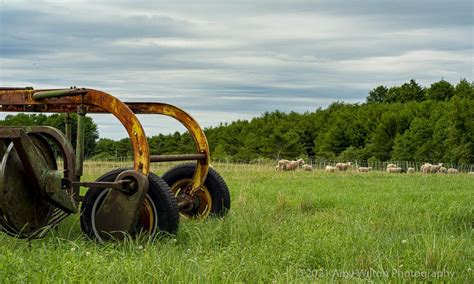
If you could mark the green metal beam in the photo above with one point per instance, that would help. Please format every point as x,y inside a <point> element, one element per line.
<point>58,93</point>
<point>81,131</point>
<point>68,121</point>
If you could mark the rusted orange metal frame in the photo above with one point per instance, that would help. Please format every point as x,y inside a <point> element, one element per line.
<point>21,100</point>
<point>200,141</point>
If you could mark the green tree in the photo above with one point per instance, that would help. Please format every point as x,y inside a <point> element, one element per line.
<point>57,121</point>
<point>411,91</point>
<point>440,91</point>
<point>393,122</point>
<point>393,95</point>
<point>407,92</point>
<point>106,146</point>
<point>416,143</point>
<point>377,95</point>
<point>464,90</point>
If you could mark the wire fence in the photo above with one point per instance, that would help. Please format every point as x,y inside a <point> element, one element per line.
<point>92,167</point>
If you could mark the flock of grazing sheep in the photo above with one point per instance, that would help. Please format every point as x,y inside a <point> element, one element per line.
<point>287,165</point>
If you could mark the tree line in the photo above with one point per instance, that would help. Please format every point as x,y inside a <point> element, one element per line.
<point>57,121</point>
<point>407,122</point>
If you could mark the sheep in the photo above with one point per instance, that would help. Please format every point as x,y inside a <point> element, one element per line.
<point>470,173</point>
<point>282,164</point>
<point>391,166</point>
<point>365,169</point>
<point>425,168</point>
<point>394,170</point>
<point>300,162</point>
<point>307,168</point>
<point>442,170</point>
<point>429,168</point>
<point>293,165</point>
<point>453,171</point>
<point>330,169</point>
<point>343,166</point>
<point>435,168</point>
<point>410,170</point>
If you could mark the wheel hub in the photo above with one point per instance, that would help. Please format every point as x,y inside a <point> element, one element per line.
<point>192,203</point>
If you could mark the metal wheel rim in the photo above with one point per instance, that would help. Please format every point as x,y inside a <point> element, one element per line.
<point>6,223</point>
<point>204,196</point>
<point>148,206</point>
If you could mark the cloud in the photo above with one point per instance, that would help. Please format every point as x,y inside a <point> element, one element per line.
<point>225,60</point>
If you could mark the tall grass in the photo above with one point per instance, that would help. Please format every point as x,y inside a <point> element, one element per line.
<point>283,226</point>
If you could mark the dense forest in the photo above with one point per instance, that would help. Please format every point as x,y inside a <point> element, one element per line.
<point>407,122</point>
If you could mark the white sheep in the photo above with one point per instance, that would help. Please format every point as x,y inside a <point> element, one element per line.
<point>293,165</point>
<point>442,170</point>
<point>282,164</point>
<point>470,173</point>
<point>343,166</point>
<point>307,167</point>
<point>330,169</point>
<point>410,170</point>
<point>453,171</point>
<point>425,168</point>
<point>364,169</point>
<point>394,170</point>
<point>435,168</point>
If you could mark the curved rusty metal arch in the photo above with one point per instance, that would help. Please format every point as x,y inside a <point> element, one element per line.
<point>191,125</point>
<point>109,103</point>
<point>101,102</point>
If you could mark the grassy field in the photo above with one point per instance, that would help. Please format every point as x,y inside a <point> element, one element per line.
<point>283,226</point>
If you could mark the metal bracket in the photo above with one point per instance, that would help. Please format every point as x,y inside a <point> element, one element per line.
<point>119,210</point>
<point>47,182</point>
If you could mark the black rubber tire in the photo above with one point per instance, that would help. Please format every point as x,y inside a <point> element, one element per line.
<point>158,192</point>
<point>214,182</point>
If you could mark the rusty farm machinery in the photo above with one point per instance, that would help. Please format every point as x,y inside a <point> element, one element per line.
<point>36,194</point>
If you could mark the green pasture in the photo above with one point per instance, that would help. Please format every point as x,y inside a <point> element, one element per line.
<point>282,227</point>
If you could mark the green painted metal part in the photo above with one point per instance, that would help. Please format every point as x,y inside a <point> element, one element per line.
<point>68,127</point>
<point>81,132</point>
<point>3,148</point>
<point>118,213</point>
<point>45,180</point>
<point>118,208</point>
<point>33,194</point>
<point>22,210</point>
<point>57,93</point>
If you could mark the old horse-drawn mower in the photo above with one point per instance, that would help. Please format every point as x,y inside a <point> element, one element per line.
<point>35,195</point>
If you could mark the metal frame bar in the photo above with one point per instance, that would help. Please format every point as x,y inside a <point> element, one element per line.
<point>94,101</point>
<point>61,101</point>
<point>80,136</point>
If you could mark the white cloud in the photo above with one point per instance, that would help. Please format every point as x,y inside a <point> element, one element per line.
<point>225,60</point>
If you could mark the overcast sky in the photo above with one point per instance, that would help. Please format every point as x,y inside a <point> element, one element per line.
<point>228,60</point>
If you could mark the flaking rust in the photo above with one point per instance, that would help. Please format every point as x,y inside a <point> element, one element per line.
<point>29,173</point>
